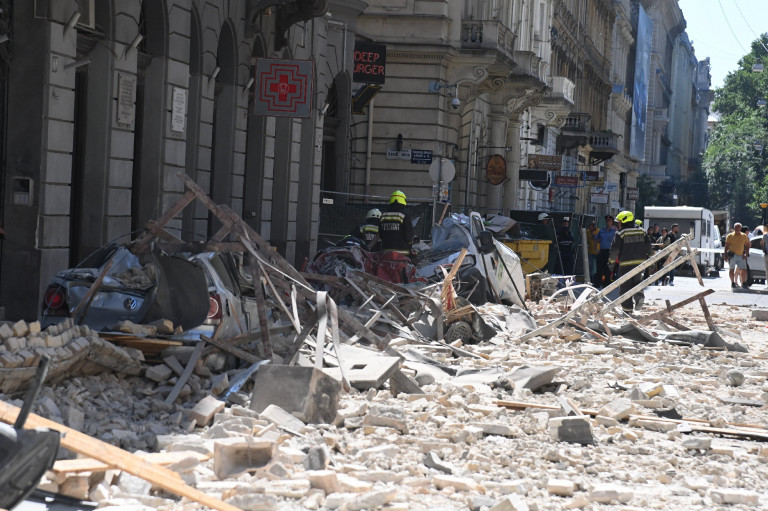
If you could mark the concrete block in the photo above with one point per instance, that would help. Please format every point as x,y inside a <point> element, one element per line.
<point>325,480</point>
<point>281,418</point>
<point>605,493</point>
<point>760,314</point>
<point>75,486</point>
<point>235,456</point>
<point>511,503</point>
<point>401,383</point>
<point>34,327</point>
<point>363,368</point>
<point>15,344</point>
<point>577,429</point>
<point>204,410</point>
<point>533,378</point>
<point>561,487</point>
<point>734,496</point>
<point>317,458</point>
<point>618,409</point>
<point>20,328</point>
<point>5,331</point>
<point>432,460</point>
<point>158,373</point>
<point>310,394</point>
<point>289,488</point>
<point>457,483</point>
<point>702,443</point>
<point>219,383</point>
<point>349,484</point>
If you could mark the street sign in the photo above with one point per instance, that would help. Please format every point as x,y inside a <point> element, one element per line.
<point>568,181</point>
<point>598,198</point>
<point>545,162</point>
<point>394,154</point>
<point>421,156</point>
<point>442,169</point>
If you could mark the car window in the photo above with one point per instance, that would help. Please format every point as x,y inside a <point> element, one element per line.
<point>222,271</point>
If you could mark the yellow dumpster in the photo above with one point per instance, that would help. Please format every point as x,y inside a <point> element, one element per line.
<point>534,254</point>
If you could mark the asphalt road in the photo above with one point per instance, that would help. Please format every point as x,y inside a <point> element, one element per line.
<point>755,296</point>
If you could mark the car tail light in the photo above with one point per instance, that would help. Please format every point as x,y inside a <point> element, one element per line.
<point>55,301</point>
<point>214,308</point>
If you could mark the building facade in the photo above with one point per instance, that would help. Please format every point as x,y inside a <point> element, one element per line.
<point>110,103</point>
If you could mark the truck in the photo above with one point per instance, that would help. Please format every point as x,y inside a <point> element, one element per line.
<point>699,222</point>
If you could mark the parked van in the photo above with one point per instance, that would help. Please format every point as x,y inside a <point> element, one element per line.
<point>700,222</point>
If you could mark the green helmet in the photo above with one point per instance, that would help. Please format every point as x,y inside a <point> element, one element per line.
<point>397,196</point>
<point>625,216</point>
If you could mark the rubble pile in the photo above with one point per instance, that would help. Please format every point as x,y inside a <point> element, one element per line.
<point>371,395</point>
<point>455,445</point>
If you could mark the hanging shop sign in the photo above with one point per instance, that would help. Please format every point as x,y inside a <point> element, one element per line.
<point>370,63</point>
<point>496,169</point>
<point>598,198</point>
<point>545,162</point>
<point>533,175</point>
<point>284,88</point>
<point>633,193</point>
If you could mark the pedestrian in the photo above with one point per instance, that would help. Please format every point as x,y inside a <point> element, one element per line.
<point>565,246</point>
<point>671,236</point>
<point>764,246</point>
<point>632,247</point>
<point>604,237</point>
<point>395,227</point>
<point>593,249</point>
<point>663,236</point>
<point>656,231</point>
<point>544,219</point>
<point>735,254</point>
<point>369,231</point>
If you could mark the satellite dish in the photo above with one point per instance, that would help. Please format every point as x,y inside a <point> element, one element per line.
<point>541,185</point>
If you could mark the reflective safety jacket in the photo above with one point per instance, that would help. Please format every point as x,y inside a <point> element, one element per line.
<point>396,230</point>
<point>631,246</point>
<point>367,232</point>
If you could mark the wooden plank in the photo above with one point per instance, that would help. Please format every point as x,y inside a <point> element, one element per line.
<point>193,358</point>
<point>239,353</point>
<point>262,312</point>
<point>116,457</point>
<point>707,316</point>
<point>670,308</point>
<point>82,307</point>
<point>93,465</point>
<point>141,244</point>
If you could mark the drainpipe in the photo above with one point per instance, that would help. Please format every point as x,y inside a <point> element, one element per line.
<point>369,149</point>
<point>469,160</point>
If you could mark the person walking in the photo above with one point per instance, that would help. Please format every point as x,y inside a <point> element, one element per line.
<point>735,254</point>
<point>593,249</point>
<point>670,238</point>
<point>565,246</point>
<point>631,246</point>
<point>764,246</point>
<point>604,238</point>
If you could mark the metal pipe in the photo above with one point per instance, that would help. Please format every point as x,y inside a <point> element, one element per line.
<point>469,159</point>
<point>369,148</point>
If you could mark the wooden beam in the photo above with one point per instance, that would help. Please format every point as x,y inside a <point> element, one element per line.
<point>683,303</point>
<point>93,465</point>
<point>85,303</point>
<point>115,457</point>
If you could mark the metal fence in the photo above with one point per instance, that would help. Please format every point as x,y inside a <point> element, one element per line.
<point>340,213</point>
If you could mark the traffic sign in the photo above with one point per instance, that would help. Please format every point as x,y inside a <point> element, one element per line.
<point>442,169</point>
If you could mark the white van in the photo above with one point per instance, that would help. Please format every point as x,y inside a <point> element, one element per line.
<point>698,221</point>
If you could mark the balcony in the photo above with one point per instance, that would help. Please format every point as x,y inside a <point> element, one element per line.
<point>604,145</point>
<point>575,131</point>
<point>487,35</point>
<point>562,88</point>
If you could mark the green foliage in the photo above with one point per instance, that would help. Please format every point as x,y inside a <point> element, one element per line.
<point>737,172</point>
<point>647,194</point>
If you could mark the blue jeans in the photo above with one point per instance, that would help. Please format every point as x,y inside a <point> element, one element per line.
<point>592,264</point>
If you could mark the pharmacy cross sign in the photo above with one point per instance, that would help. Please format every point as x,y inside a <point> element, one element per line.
<point>284,88</point>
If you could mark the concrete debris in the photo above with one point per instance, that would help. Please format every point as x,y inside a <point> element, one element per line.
<point>363,405</point>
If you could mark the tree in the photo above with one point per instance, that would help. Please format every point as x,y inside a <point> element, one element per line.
<point>734,162</point>
<point>647,194</point>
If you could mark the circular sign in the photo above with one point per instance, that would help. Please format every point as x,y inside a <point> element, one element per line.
<point>496,169</point>
<point>541,185</point>
<point>442,169</point>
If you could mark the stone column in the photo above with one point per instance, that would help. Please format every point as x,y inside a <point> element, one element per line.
<point>498,142</point>
<point>512,186</point>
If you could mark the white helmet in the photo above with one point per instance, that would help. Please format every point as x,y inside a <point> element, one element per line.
<point>374,213</point>
<point>542,216</point>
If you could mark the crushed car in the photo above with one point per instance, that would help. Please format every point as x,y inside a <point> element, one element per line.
<point>197,292</point>
<point>490,271</point>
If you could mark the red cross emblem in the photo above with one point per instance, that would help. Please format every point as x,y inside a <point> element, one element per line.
<point>284,87</point>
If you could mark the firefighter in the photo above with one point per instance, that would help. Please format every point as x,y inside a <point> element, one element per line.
<point>632,247</point>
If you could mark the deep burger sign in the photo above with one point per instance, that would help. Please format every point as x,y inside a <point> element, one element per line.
<point>370,63</point>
